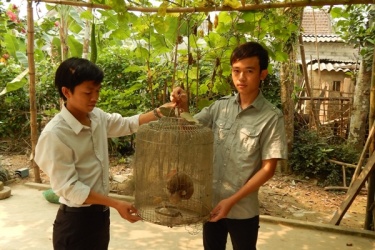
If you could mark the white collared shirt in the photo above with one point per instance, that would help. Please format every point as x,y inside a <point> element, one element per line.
<point>75,157</point>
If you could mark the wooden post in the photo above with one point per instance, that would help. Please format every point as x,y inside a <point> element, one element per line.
<point>353,191</point>
<point>305,75</point>
<point>364,151</point>
<point>30,60</point>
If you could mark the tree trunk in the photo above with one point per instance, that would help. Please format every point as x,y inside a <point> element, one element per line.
<point>63,31</point>
<point>370,209</point>
<point>86,38</point>
<point>288,73</point>
<point>360,110</point>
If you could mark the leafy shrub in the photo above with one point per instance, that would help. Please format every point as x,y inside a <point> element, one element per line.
<point>14,105</point>
<point>346,153</point>
<point>310,155</point>
<point>271,89</point>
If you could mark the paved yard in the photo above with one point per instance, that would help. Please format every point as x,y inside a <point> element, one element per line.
<point>26,223</point>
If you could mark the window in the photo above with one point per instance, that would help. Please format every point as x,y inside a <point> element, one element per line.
<point>336,85</point>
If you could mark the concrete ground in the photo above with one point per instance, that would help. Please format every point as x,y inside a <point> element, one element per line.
<point>26,223</point>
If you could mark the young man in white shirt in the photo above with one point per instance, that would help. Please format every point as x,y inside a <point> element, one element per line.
<point>73,151</point>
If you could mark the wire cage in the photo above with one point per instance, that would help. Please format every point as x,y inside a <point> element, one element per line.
<point>173,172</point>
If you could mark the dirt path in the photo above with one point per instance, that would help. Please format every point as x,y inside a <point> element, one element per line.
<point>283,196</point>
<point>288,197</point>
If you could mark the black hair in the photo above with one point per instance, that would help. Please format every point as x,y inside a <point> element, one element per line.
<point>74,71</point>
<point>250,49</point>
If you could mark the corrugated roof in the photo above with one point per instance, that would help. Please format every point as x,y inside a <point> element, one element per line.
<point>321,38</point>
<point>332,66</point>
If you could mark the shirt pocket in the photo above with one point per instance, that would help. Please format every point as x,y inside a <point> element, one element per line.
<point>249,139</point>
<point>222,128</point>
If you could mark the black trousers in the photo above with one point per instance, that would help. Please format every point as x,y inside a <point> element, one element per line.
<point>86,230</point>
<point>243,234</point>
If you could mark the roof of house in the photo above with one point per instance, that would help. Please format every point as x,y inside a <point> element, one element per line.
<point>331,65</point>
<point>317,22</point>
<point>321,38</point>
<point>317,27</point>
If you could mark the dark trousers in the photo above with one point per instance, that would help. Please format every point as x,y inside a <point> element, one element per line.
<point>243,234</point>
<point>88,230</point>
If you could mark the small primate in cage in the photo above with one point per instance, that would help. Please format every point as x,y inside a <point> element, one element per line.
<point>173,172</point>
<point>180,186</point>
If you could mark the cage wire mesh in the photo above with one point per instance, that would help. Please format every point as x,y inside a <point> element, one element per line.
<point>173,172</point>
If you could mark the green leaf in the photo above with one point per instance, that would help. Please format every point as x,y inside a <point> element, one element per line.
<point>134,87</point>
<point>162,10</point>
<point>16,83</point>
<point>11,44</point>
<point>39,55</point>
<point>193,73</point>
<point>22,58</point>
<point>225,22</point>
<point>232,3</point>
<point>216,41</point>
<point>281,56</point>
<point>135,68</point>
<point>203,103</point>
<point>87,15</point>
<point>110,20</point>
<point>188,117</point>
<point>159,45</point>
<point>336,12</point>
<point>252,16</point>
<point>75,47</point>
<point>141,52</point>
<point>75,22</point>
<point>121,33</point>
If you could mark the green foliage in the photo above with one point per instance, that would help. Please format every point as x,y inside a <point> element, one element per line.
<point>143,55</point>
<point>310,155</point>
<point>13,105</point>
<point>356,25</point>
<point>122,90</point>
<point>271,90</point>
<point>13,34</point>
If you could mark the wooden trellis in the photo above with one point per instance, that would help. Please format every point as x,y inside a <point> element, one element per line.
<point>258,5</point>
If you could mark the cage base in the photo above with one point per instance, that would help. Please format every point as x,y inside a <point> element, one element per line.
<point>172,216</point>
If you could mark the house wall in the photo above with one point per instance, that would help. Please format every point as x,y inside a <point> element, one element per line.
<point>327,78</point>
<point>332,109</point>
<point>337,51</point>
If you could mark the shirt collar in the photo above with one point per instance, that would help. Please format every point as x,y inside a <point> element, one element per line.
<point>73,123</point>
<point>257,103</point>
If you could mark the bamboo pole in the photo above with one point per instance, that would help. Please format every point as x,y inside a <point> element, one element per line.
<point>370,212</point>
<point>32,92</point>
<point>307,83</point>
<point>247,7</point>
<point>362,157</point>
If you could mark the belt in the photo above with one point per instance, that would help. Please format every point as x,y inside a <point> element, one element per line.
<point>92,208</point>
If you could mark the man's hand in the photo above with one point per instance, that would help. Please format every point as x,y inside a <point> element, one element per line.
<point>128,211</point>
<point>221,210</point>
<point>179,97</point>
